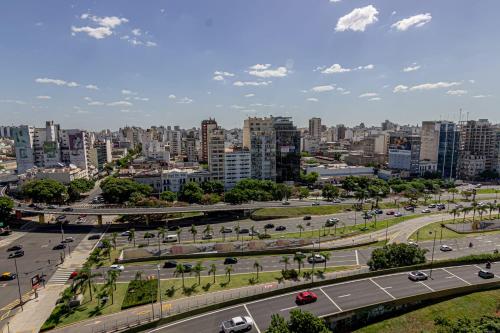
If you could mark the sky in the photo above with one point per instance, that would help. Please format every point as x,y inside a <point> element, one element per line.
<point>107,64</point>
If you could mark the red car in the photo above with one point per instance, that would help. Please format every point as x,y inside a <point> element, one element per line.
<point>73,275</point>
<point>305,297</point>
<point>390,212</point>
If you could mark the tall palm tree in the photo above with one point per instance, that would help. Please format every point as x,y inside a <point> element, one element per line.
<point>257,266</point>
<point>299,259</point>
<point>474,207</point>
<point>252,230</point>
<point>237,230</point>
<point>326,255</point>
<point>465,211</point>
<point>480,210</point>
<point>131,236</point>
<point>106,247</point>
<point>208,229</point>
<point>180,270</point>
<point>83,280</point>
<point>286,261</point>
<point>301,228</point>
<point>455,211</point>
<point>221,231</point>
<point>197,269</point>
<point>212,270</point>
<point>361,196</point>
<point>453,191</point>
<point>160,233</point>
<point>491,207</point>
<point>178,232</point>
<point>229,269</point>
<point>114,235</point>
<point>110,284</point>
<point>498,210</point>
<point>193,232</point>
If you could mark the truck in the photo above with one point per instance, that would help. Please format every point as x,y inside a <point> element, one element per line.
<point>236,324</point>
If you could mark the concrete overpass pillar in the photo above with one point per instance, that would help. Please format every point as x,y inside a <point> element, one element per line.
<point>146,218</point>
<point>41,218</point>
<point>99,220</point>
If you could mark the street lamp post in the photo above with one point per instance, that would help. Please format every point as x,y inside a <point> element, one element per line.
<point>386,229</point>
<point>18,285</point>
<point>159,289</point>
<point>433,248</point>
<point>62,232</point>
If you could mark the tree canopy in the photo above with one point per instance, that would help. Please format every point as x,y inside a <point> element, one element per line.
<point>6,206</point>
<point>45,190</point>
<point>78,186</point>
<point>191,192</point>
<point>396,255</point>
<point>118,190</point>
<point>330,191</point>
<point>299,322</point>
<point>168,196</point>
<point>212,186</point>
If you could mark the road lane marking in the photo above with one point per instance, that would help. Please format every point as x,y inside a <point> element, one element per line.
<point>254,323</point>
<point>346,295</point>
<point>357,258</point>
<point>331,300</point>
<point>292,307</point>
<point>458,277</point>
<point>383,289</point>
<point>425,285</point>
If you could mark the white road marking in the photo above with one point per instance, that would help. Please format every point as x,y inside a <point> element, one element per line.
<point>286,309</point>
<point>357,258</point>
<point>383,289</point>
<point>458,277</point>
<point>427,286</point>
<point>331,300</point>
<point>254,323</point>
<point>346,295</point>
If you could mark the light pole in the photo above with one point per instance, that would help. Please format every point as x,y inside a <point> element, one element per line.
<point>18,285</point>
<point>159,289</point>
<point>386,229</point>
<point>433,248</point>
<point>62,232</point>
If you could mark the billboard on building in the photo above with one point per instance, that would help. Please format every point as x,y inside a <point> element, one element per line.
<point>21,136</point>
<point>50,149</point>
<point>76,142</point>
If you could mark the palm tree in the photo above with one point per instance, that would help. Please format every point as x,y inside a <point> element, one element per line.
<point>106,247</point>
<point>301,228</point>
<point>474,207</point>
<point>257,266</point>
<point>326,255</point>
<point>131,236</point>
<point>138,275</point>
<point>208,229</point>
<point>286,261</point>
<point>180,269</point>
<point>427,196</point>
<point>160,233</point>
<point>299,259</point>
<point>229,269</point>
<point>252,230</point>
<point>84,279</point>
<point>491,207</point>
<point>361,196</point>
<point>455,211</point>
<point>453,191</point>
<point>221,230</point>
<point>197,269</point>
<point>481,210</point>
<point>178,233</point>
<point>237,230</point>
<point>113,239</point>
<point>466,211</point>
<point>498,210</point>
<point>212,270</point>
<point>110,285</point>
<point>193,232</point>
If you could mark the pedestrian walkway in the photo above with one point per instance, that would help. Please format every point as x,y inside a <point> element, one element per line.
<point>60,277</point>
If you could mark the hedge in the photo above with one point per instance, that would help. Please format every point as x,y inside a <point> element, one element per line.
<point>140,292</point>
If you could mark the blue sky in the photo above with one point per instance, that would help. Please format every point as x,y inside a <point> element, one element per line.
<point>105,64</point>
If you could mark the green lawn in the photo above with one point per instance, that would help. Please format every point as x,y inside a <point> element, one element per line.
<point>471,306</point>
<point>487,191</point>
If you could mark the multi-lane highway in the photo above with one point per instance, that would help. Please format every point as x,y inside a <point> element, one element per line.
<point>335,298</point>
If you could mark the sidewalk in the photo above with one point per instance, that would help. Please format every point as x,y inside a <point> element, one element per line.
<point>36,311</point>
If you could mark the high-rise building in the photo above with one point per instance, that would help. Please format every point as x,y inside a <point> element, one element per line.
<point>477,148</point>
<point>104,153</point>
<point>216,154</point>
<point>263,154</point>
<point>255,124</point>
<point>315,127</point>
<point>287,149</point>
<point>404,153</point>
<point>190,148</point>
<point>237,166</point>
<point>341,129</point>
<point>206,127</point>
<point>24,147</point>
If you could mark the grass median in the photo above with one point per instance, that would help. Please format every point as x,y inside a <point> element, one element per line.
<point>472,306</point>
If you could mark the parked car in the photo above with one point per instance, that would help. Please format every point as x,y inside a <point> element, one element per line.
<point>390,212</point>
<point>236,324</point>
<point>59,247</point>
<point>417,276</point>
<point>269,226</point>
<point>67,209</point>
<point>170,264</point>
<point>227,230</point>
<point>398,214</point>
<point>280,228</point>
<point>244,231</point>
<point>307,217</point>
<point>285,203</point>
<point>187,267</point>
<point>116,267</point>
<point>410,208</point>
<point>445,248</point>
<point>68,240</point>
<point>15,248</point>
<point>378,211</point>
<point>426,211</point>
<point>331,222</point>
<point>126,233</point>
<point>61,218</point>
<point>305,297</point>
<point>230,261</point>
<point>94,237</point>
<point>336,201</point>
<point>432,206</point>
<point>485,274</point>
<point>413,244</point>
<point>207,236</point>
<point>7,276</point>
<point>315,203</point>
<point>16,254</point>
<point>317,258</point>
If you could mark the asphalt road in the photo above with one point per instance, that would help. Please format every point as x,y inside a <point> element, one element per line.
<point>334,298</point>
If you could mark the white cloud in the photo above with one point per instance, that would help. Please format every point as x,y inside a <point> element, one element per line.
<point>12,101</point>
<point>142,99</point>
<point>106,21</point>
<point>458,92</point>
<point>89,99</point>
<point>237,107</point>
<point>120,103</point>
<point>335,1</point>
<point>417,21</point>
<point>323,88</point>
<point>312,99</point>
<point>105,24</point>
<point>347,92</point>
<point>259,67</point>
<point>226,74</point>
<point>43,97</point>
<point>369,94</point>
<point>128,92</point>
<point>185,100</point>
<point>337,68</point>
<point>437,85</point>
<point>136,32</point>
<point>358,19</point>
<point>97,33</point>
<point>472,81</point>
<point>375,99</point>
<point>369,66</point>
<point>249,95</point>
<point>393,13</point>
<point>267,73</point>
<point>95,103</point>
<point>218,78</point>
<point>171,96</point>
<point>57,82</point>
<point>400,88</point>
<point>412,68</point>
<point>92,87</point>
<point>481,96</point>
<point>251,83</point>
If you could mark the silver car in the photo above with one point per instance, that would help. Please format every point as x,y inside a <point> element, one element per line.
<point>417,276</point>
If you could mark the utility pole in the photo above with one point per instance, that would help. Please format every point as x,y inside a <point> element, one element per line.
<point>18,285</point>
<point>433,248</point>
<point>159,289</point>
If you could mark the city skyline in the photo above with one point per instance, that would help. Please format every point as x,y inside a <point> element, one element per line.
<point>100,65</point>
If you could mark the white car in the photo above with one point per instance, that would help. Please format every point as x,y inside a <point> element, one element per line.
<point>237,324</point>
<point>398,214</point>
<point>126,233</point>
<point>413,244</point>
<point>317,258</point>
<point>425,211</point>
<point>445,248</point>
<point>115,267</point>
<point>417,276</point>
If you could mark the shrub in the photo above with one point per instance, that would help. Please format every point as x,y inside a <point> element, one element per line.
<point>140,292</point>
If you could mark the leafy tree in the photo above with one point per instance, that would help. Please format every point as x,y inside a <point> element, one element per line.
<point>193,232</point>
<point>213,186</point>
<point>191,192</point>
<point>117,190</point>
<point>168,196</point>
<point>6,206</point>
<point>300,322</point>
<point>464,324</point>
<point>235,196</point>
<point>286,261</point>
<point>282,191</point>
<point>210,199</point>
<point>78,186</point>
<point>45,190</point>
<point>330,192</point>
<point>309,178</point>
<point>396,255</point>
<point>303,193</point>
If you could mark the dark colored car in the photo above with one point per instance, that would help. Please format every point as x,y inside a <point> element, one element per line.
<point>230,261</point>
<point>31,205</point>
<point>187,267</point>
<point>307,217</point>
<point>485,274</point>
<point>280,228</point>
<point>305,297</point>
<point>378,211</point>
<point>269,226</point>
<point>67,209</point>
<point>244,231</point>
<point>227,230</point>
<point>51,207</point>
<point>207,236</point>
<point>59,247</point>
<point>172,228</point>
<point>170,264</point>
<point>94,237</point>
<point>15,248</point>
<point>16,254</point>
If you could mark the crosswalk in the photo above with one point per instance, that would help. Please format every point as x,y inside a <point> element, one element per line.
<point>60,277</point>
